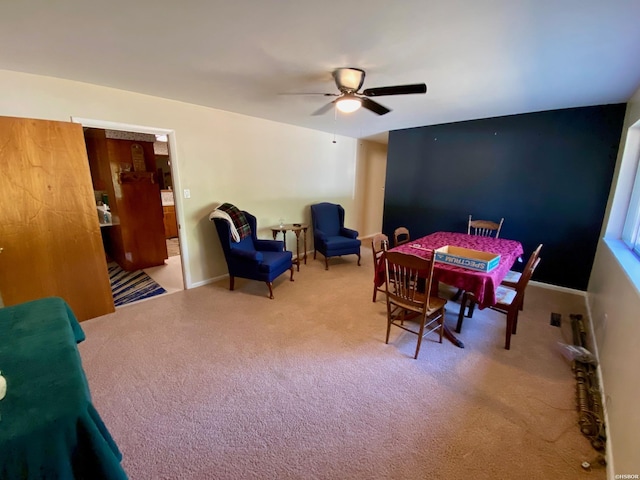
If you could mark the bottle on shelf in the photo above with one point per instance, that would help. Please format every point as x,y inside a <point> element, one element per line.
<point>104,215</point>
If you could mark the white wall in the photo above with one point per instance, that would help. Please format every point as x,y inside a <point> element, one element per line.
<point>270,169</point>
<point>614,302</point>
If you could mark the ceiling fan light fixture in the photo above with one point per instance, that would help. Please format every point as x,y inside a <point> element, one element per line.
<point>348,104</point>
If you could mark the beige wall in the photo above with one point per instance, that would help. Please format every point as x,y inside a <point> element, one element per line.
<point>372,173</point>
<point>270,169</point>
<point>614,302</point>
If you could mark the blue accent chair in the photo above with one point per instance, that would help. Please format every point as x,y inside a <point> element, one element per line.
<point>330,237</point>
<point>251,258</point>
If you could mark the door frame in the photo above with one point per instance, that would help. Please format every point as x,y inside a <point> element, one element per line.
<point>173,157</point>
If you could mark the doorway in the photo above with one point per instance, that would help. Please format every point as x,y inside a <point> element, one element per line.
<point>170,274</point>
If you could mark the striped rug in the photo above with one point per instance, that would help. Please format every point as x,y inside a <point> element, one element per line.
<point>128,287</point>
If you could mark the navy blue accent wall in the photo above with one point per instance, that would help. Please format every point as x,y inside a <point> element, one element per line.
<point>548,174</point>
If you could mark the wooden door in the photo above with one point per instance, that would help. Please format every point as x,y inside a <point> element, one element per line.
<point>49,231</point>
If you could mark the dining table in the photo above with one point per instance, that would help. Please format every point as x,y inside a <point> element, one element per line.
<point>483,285</point>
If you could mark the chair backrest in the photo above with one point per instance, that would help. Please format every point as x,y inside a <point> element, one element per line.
<point>525,277</point>
<point>534,255</point>
<point>484,228</point>
<point>408,280</point>
<point>226,240</point>
<point>400,236</point>
<point>379,244</point>
<point>327,217</point>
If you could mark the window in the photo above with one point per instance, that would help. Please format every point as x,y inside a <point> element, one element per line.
<point>631,230</point>
<point>622,234</point>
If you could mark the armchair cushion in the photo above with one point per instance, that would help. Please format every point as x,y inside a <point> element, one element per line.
<point>275,262</point>
<point>247,254</point>
<point>339,243</point>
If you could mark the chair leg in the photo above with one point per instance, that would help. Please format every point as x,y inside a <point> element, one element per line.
<point>472,307</point>
<point>515,323</point>
<point>314,253</point>
<point>232,281</point>
<point>291,279</point>
<point>456,295</point>
<point>507,341</point>
<point>375,292</point>
<point>388,322</point>
<point>441,324</point>
<point>420,334</point>
<point>326,263</point>
<point>269,284</point>
<point>358,258</point>
<point>463,304</point>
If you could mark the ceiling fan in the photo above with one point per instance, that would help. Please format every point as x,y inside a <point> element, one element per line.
<point>350,80</point>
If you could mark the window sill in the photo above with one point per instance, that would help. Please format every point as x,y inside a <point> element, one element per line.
<point>629,262</point>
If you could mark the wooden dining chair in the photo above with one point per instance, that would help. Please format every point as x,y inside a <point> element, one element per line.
<point>481,228</point>
<point>401,235</point>
<point>484,228</point>
<point>379,245</point>
<point>509,302</point>
<point>409,298</point>
<point>513,277</point>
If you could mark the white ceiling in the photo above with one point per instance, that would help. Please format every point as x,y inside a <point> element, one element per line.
<point>479,58</point>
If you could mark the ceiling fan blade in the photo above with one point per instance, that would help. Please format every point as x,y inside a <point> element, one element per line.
<point>375,107</point>
<point>396,90</point>
<point>324,109</point>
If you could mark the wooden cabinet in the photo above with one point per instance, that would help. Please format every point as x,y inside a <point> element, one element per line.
<point>170,221</point>
<point>137,237</point>
<point>50,240</point>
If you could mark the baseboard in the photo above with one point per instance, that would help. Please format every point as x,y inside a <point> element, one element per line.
<point>368,237</point>
<point>608,450</point>
<point>301,257</point>
<point>209,280</point>
<point>603,396</point>
<point>558,288</point>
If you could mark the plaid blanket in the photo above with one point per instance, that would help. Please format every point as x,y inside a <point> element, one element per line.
<point>238,222</point>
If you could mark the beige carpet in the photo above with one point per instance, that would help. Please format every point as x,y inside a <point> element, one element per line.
<point>212,384</point>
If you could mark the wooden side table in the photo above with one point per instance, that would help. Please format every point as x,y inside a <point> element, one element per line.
<point>296,228</point>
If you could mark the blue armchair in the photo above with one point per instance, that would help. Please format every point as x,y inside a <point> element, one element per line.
<point>330,237</point>
<point>262,260</point>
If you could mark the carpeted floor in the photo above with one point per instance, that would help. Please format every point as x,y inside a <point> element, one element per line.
<point>128,287</point>
<point>212,384</point>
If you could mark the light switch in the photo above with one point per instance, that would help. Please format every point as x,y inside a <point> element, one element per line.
<point>187,193</point>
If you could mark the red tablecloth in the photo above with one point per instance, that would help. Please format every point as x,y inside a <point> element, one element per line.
<point>482,285</point>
